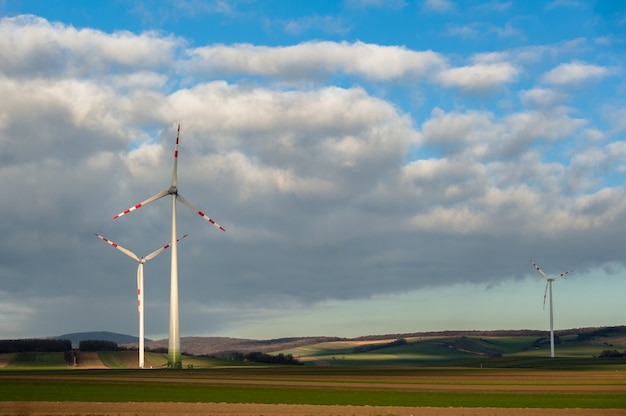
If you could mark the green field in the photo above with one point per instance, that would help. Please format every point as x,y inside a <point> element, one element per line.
<point>38,361</point>
<point>434,371</point>
<point>472,351</point>
<point>375,386</point>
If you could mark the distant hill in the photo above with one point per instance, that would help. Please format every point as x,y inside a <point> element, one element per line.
<point>222,346</point>
<point>120,339</point>
<point>575,348</point>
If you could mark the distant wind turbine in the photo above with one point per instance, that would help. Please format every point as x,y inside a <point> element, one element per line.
<point>174,353</point>
<point>140,292</point>
<point>549,281</point>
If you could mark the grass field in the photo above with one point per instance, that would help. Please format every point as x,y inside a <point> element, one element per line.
<point>456,351</point>
<point>397,386</point>
<point>462,372</point>
<point>571,385</point>
<point>38,361</point>
<point>421,351</point>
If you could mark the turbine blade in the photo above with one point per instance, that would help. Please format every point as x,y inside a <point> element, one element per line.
<point>162,249</point>
<point>539,270</point>
<point>175,168</point>
<point>142,203</point>
<point>545,292</point>
<point>202,214</point>
<point>120,248</point>
<point>561,275</point>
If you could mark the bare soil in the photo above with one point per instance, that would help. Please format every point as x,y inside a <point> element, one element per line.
<point>244,409</point>
<point>6,359</point>
<point>89,359</point>
<point>514,381</point>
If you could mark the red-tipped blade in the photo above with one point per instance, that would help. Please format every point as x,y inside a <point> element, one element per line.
<point>117,246</point>
<point>539,270</point>
<point>175,167</point>
<point>141,204</point>
<point>202,214</point>
<point>162,249</point>
<point>561,275</point>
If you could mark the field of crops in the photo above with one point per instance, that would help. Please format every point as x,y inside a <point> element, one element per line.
<point>436,376</point>
<point>315,390</point>
<point>454,351</point>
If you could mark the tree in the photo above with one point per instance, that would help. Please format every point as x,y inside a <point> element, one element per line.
<point>98,345</point>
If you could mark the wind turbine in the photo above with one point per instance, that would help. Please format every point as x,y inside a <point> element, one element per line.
<point>549,281</point>
<point>174,354</point>
<point>140,293</point>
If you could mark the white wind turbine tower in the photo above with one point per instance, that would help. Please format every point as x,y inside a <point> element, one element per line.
<point>140,292</point>
<point>174,353</point>
<point>549,281</point>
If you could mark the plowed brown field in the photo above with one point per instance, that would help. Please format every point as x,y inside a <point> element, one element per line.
<point>501,381</point>
<point>243,409</point>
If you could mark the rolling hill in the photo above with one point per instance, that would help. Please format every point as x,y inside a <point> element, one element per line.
<point>579,342</point>
<point>223,346</point>
<point>575,348</point>
<point>417,347</point>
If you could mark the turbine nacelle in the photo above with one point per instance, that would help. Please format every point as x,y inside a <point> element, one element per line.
<point>549,279</point>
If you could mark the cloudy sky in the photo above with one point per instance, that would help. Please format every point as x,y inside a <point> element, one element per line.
<point>379,166</point>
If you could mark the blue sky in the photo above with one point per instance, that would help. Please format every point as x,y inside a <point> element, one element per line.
<point>380,166</point>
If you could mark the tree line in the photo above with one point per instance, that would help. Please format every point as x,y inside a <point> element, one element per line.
<point>612,354</point>
<point>35,345</point>
<point>65,346</point>
<point>98,345</point>
<point>54,345</point>
<point>261,357</point>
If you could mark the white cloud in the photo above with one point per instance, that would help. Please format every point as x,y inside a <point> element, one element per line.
<point>590,165</point>
<point>472,30</point>
<point>196,7</point>
<point>594,135</point>
<point>460,220</point>
<point>327,24</point>
<point>443,181</point>
<point>479,30</point>
<point>495,6</point>
<point>508,31</point>
<point>438,6</point>
<point>478,134</point>
<point>524,211</point>
<point>479,77</point>
<point>316,59</point>
<point>33,46</point>
<point>565,3</point>
<point>157,12</point>
<point>541,98</point>
<point>574,73</point>
<point>601,208</point>
<point>376,4</point>
<point>617,118</point>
